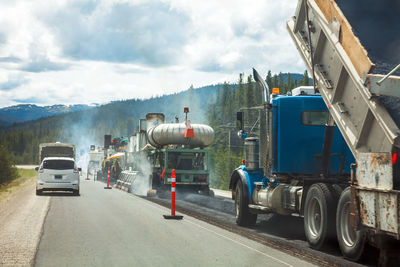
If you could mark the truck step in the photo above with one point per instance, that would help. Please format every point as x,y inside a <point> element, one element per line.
<point>259,209</point>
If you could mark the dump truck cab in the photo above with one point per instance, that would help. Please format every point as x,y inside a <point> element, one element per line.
<point>298,127</point>
<point>293,156</point>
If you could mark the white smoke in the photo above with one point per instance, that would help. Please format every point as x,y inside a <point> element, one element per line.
<point>77,130</point>
<point>141,183</point>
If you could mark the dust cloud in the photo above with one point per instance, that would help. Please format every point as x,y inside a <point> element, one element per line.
<point>141,182</point>
<point>77,130</point>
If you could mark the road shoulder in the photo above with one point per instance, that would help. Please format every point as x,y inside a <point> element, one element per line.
<point>21,218</point>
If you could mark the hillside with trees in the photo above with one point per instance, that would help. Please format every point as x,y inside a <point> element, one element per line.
<point>215,105</point>
<point>86,127</point>
<point>227,152</point>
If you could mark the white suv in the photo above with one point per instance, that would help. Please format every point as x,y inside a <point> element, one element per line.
<point>57,174</point>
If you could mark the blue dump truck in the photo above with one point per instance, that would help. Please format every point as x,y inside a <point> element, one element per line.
<point>298,165</point>
<point>306,165</point>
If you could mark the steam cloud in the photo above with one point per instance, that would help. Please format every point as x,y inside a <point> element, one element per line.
<point>77,131</point>
<point>140,184</point>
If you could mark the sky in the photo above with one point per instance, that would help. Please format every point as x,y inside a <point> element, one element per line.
<point>84,52</point>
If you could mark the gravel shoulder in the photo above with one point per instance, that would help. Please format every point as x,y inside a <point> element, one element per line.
<point>21,218</point>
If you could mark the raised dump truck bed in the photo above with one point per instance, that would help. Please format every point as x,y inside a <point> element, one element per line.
<point>376,24</point>
<point>348,62</point>
<point>343,77</point>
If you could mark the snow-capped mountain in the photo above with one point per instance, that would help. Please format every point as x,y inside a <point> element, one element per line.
<point>27,112</point>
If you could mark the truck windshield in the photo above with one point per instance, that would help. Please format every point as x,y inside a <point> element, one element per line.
<point>313,117</point>
<point>58,164</point>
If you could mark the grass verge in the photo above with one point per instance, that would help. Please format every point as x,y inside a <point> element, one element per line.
<point>25,178</point>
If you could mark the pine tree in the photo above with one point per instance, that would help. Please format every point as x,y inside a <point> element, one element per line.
<point>268,80</point>
<point>274,82</point>
<point>8,171</point>
<point>306,79</point>
<point>249,92</point>
<point>241,92</point>
<point>225,101</point>
<point>281,84</point>
<point>290,82</point>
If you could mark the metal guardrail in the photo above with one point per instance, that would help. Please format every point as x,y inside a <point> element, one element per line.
<point>125,180</point>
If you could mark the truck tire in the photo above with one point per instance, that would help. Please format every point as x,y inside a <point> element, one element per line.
<point>38,192</point>
<point>243,215</point>
<point>211,193</point>
<point>351,242</point>
<point>319,215</point>
<point>206,191</point>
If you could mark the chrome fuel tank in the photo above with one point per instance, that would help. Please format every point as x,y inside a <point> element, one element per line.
<point>173,134</point>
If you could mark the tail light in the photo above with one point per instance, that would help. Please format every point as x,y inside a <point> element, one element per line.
<point>76,170</point>
<point>202,176</point>
<point>41,169</point>
<point>243,162</point>
<point>396,169</point>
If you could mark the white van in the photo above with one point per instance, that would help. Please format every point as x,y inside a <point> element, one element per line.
<point>57,174</point>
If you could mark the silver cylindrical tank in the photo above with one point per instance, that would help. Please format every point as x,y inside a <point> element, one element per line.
<point>174,134</point>
<point>153,119</point>
<point>252,153</point>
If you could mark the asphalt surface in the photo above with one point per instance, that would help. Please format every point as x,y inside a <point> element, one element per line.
<point>112,228</point>
<point>285,233</point>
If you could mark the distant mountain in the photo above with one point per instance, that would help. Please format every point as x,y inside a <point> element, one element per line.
<point>87,126</point>
<point>28,112</point>
<point>171,105</point>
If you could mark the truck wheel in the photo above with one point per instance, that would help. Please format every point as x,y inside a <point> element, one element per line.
<point>243,215</point>
<point>206,191</point>
<point>211,193</point>
<point>351,242</point>
<point>38,192</point>
<point>76,192</point>
<point>319,215</point>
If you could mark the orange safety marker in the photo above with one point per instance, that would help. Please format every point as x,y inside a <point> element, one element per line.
<point>173,187</point>
<point>108,179</point>
<point>87,174</point>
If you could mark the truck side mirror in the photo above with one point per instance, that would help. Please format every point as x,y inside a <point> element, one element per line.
<point>36,168</point>
<point>239,120</point>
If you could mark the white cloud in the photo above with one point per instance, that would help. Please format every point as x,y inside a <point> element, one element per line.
<point>97,51</point>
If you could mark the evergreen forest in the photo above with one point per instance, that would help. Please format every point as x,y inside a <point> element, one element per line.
<point>215,105</point>
<point>227,151</point>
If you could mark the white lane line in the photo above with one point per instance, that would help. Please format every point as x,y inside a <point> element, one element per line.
<point>239,243</point>
<point>211,231</point>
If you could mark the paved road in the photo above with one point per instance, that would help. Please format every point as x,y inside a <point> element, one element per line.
<point>113,228</point>
<point>222,193</point>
